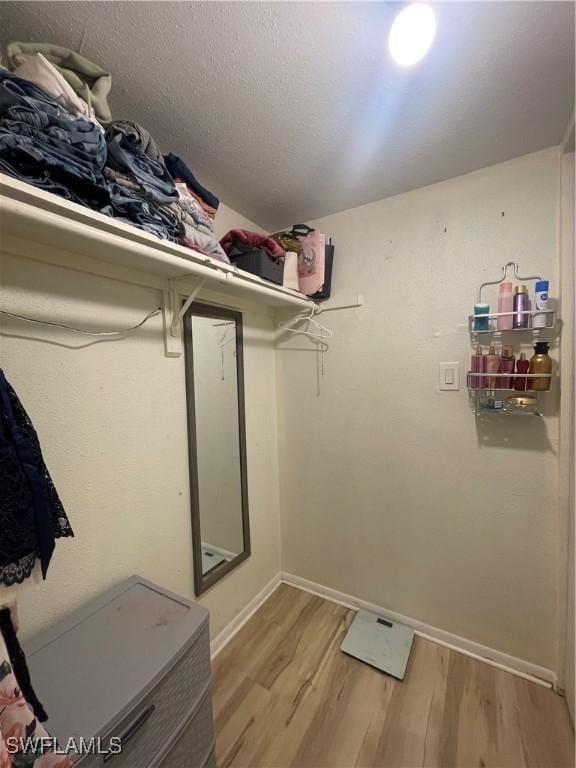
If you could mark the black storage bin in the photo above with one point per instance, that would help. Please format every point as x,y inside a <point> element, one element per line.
<point>258,262</point>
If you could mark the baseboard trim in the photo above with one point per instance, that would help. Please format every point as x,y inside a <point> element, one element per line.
<point>233,627</point>
<point>519,667</point>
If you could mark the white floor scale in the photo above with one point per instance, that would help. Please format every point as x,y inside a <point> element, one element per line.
<point>377,641</point>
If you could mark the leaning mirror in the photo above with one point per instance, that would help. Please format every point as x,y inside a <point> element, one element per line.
<point>217,442</point>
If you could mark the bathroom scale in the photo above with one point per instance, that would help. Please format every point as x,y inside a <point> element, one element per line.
<point>377,641</point>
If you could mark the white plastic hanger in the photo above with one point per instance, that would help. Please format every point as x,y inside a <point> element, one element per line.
<point>324,333</point>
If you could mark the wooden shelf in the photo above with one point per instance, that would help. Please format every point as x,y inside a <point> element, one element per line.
<point>79,238</point>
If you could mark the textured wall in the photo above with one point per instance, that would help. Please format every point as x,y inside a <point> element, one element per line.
<point>391,490</point>
<point>112,421</point>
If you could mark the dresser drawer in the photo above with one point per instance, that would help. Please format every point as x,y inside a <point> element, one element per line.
<point>152,723</point>
<point>195,746</point>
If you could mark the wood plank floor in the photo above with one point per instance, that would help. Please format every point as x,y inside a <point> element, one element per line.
<point>284,695</point>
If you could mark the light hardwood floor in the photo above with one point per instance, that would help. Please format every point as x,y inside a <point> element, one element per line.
<point>285,695</point>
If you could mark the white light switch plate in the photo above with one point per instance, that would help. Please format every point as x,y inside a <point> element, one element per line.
<point>449,376</point>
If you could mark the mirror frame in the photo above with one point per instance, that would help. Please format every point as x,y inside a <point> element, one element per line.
<point>203,582</point>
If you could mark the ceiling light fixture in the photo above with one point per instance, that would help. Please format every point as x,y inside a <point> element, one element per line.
<point>412,33</point>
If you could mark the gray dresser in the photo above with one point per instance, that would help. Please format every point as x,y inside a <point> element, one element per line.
<point>134,663</point>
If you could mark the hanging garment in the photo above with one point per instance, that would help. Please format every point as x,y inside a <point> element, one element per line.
<point>89,80</point>
<point>38,70</point>
<point>180,172</point>
<point>19,665</point>
<point>19,728</point>
<point>31,513</point>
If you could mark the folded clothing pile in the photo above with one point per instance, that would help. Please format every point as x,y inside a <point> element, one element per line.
<point>51,135</point>
<point>43,144</point>
<point>181,173</point>
<point>141,189</point>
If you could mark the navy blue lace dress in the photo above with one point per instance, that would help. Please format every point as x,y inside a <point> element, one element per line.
<point>31,514</point>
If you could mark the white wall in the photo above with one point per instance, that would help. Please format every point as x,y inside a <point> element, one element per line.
<point>392,491</point>
<point>111,418</point>
<point>568,466</point>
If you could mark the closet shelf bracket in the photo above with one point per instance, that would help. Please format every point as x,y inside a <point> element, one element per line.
<point>173,312</point>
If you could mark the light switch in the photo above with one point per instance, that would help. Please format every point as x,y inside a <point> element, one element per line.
<point>449,376</point>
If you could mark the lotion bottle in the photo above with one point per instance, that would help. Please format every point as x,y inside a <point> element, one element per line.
<point>505,304</point>
<point>477,365</point>
<point>493,366</point>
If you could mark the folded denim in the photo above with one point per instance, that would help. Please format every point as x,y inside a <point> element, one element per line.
<point>125,156</point>
<point>134,209</point>
<point>178,169</point>
<point>41,141</point>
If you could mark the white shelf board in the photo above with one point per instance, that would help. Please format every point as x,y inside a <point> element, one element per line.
<point>36,215</point>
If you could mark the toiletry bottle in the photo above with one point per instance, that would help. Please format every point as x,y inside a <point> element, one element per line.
<point>522,366</point>
<point>477,365</point>
<point>493,366</point>
<point>540,362</point>
<point>481,319</point>
<point>507,366</point>
<point>505,304</point>
<point>521,306</point>
<point>540,303</point>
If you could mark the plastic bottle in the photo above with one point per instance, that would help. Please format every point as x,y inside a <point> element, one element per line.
<point>505,304</point>
<point>507,366</point>
<point>522,366</point>
<point>477,365</point>
<point>493,366</point>
<point>481,319</point>
<point>521,306</point>
<point>540,362</point>
<point>540,302</point>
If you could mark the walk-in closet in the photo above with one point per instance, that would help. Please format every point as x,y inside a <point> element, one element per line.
<point>287,384</point>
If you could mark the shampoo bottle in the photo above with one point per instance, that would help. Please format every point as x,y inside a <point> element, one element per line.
<point>493,366</point>
<point>477,365</point>
<point>505,304</point>
<point>507,366</point>
<point>522,366</point>
<point>540,362</point>
<point>521,307</point>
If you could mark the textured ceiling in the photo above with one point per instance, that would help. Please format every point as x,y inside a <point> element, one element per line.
<point>289,111</point>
